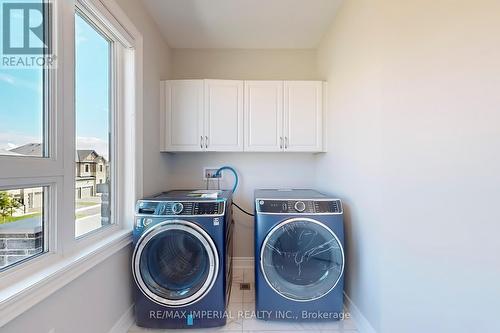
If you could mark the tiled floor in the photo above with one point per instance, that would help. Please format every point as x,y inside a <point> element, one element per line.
<point>243,300</point>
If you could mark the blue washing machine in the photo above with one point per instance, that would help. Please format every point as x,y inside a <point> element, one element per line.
<point>181,261</point>
<point>299,252</point>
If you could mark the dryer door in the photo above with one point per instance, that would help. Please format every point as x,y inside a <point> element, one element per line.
<point>175,263</point>
<point>302,259</point>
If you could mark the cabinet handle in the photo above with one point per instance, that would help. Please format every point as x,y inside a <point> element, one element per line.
<point>281,142</point>
<point>201,142</point>
<point>206,141</point>
<point>286,142</point>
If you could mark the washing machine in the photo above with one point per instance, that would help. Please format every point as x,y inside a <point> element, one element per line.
<point>181,260</point>
<point>299,256</point>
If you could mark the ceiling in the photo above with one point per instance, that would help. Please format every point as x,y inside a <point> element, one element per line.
<point>243,24</point>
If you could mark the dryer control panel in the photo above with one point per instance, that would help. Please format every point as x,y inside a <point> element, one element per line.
<point>276,206</point>
<point>180,208</point>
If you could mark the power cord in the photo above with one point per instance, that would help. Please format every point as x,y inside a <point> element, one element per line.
<point>241,209</point>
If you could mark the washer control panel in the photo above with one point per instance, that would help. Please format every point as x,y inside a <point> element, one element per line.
<point>180,208</point>
<point>274,206</point>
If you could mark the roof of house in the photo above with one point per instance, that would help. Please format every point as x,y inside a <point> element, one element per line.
<point>30,149</point>
<point>83,154</point>
<point>8,152</point>
<point>35,149</point>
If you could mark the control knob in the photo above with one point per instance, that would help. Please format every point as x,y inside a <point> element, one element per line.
<point>177,208</point>
<point>300,206</point>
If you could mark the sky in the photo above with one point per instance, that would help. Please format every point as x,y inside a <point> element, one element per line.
<point>21,94</point>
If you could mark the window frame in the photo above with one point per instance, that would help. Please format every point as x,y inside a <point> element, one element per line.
<point>67,257</point>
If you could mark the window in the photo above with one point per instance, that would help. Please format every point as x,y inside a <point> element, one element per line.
<point>22,113</point>
<point>22,226</point>
<point>60,136</point>
<point>93,117</point>
<point>23,89</point>
<point>26,97</point>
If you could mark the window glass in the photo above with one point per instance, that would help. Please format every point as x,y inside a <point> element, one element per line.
<point>22,83</point>
<point>21,224</point>
<point>93,129</point>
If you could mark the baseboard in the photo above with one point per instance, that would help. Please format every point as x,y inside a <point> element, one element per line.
<point>126,320</point>
<point>362,323</point>
<point>243,262</point>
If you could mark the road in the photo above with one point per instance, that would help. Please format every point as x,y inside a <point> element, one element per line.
<point>89,219</point>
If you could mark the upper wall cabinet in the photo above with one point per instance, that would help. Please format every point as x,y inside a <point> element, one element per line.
<point>223,115</point>
<point>182,121</point>
<point>303,116</point>
<point>253,116</point>
<point>263,115</point>
<point>202,115</point>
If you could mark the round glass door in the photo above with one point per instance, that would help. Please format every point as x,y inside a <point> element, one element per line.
<point>302,259</point>
<point>175,263</point>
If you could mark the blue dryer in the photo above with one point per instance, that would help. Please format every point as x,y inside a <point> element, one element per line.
<point>181,261</point>
<point>299,255</point>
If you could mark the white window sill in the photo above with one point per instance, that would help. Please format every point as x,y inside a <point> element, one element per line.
<point>19,297</point>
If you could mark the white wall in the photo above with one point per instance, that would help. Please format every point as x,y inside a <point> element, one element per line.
<point>91,303</point>
<point>239,64</point>
<point>156,68</point>
<point>414,114</point>
<point>97,299</point>
<point>351,167</point>
<point>264,170</point>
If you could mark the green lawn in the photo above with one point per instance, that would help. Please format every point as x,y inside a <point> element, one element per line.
<point>79,216</point>
<point>86,204</point>
<point>9,219</point>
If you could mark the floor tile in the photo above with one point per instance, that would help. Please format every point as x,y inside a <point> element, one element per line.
<point>249,295</point>
<point>236,293</point>
<point>256,325</point>
<point>241,311</point>
<point>238,275</point>
<point>249,275</point>
<point>229,328</point>
<point>287,330</point>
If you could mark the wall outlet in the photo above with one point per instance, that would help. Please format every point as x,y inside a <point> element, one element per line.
<point>209,173</point>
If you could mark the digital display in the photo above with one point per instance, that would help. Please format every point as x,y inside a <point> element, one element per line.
<point>206,208</point>
<point>273,206</point>
<point>326,207</point>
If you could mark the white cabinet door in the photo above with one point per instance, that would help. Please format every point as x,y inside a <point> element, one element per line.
<point>263,115</point>
<point>183,118</point>
<point>223,115</point>
<point>303,110</point>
